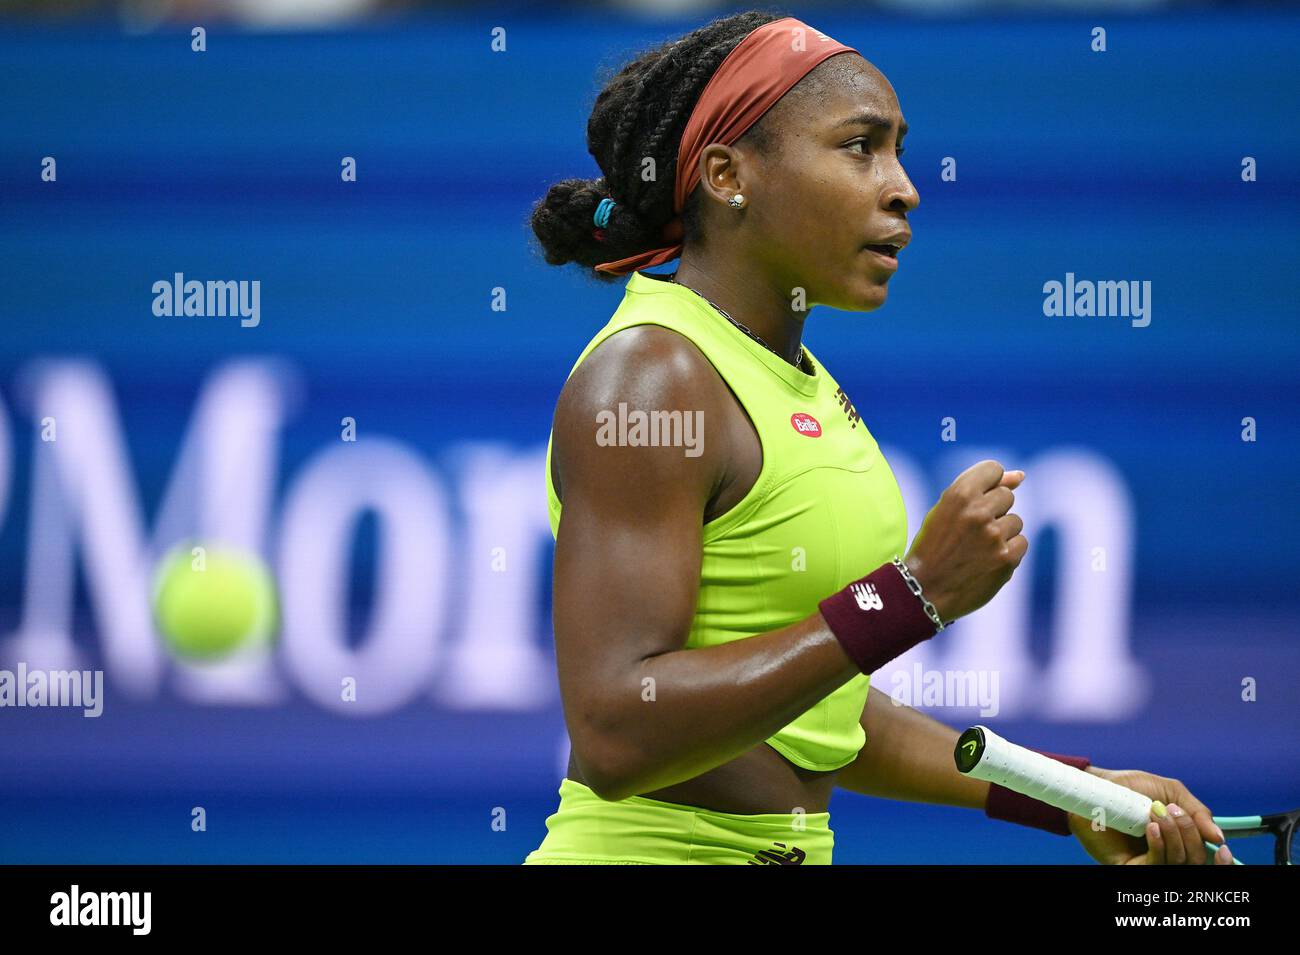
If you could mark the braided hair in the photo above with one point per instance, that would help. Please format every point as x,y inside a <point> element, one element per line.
<point>640,115</point>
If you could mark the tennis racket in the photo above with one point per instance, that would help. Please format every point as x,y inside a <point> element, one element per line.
<point>983,754</point>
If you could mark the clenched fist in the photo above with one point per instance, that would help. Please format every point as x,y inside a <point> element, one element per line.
<point>969,544</point>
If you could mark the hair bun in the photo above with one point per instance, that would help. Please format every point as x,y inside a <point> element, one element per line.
<point>565,223</point>
<point>639,116</point>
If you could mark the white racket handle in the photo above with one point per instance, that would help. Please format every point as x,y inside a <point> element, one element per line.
<point>983,754</point>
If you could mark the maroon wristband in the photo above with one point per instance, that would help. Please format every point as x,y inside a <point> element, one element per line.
<point>877,618</point>
<point>1011,806</point>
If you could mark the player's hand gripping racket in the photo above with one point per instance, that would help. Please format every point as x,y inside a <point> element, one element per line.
<point>984,754</point>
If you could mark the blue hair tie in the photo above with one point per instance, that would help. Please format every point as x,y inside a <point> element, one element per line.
<point>601,218</point>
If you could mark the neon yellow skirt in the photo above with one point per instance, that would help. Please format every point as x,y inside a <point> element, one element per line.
<point>638,831</point>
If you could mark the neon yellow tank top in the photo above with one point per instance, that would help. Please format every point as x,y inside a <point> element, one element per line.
<point>824,511</point>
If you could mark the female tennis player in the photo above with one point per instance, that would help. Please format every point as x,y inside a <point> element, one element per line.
<point>732,561</point>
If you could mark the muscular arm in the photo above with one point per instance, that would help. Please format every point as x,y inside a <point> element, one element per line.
<point>908,756</point>
<point>643,712</point>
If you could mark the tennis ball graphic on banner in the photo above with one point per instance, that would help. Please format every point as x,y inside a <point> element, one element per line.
<point>211,602</point>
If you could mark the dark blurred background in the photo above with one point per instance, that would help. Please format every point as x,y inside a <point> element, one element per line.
<point>1164,558</point>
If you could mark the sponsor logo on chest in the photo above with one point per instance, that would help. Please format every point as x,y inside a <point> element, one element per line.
<point>810,427</point>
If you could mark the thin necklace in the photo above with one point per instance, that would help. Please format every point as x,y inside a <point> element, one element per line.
<point>803,355</point>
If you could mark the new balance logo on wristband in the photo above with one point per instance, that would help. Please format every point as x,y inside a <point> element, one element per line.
<point>873,639</point>
<point>867,596</point>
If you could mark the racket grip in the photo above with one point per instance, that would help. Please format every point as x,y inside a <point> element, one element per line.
<point>983,754</point>
<point>1015,807</point>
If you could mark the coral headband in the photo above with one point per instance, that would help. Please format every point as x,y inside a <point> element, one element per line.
<point>758,72</point>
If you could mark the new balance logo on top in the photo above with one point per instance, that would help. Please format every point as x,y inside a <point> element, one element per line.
<point>791,856</point>
<point>866,596</point>
<point>847,405</point>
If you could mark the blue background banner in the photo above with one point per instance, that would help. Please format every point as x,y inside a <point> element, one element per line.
<point>1154,627</point>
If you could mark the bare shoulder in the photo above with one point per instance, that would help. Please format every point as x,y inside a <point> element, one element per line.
<point>647,364</point>
<point>648,369</point>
